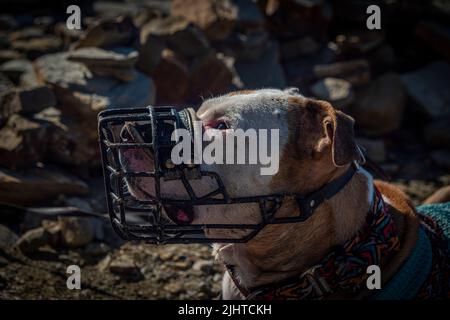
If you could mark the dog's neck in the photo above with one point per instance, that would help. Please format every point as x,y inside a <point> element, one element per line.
<point>281,251</point>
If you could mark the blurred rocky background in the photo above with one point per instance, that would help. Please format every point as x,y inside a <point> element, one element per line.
<point>54,81</point>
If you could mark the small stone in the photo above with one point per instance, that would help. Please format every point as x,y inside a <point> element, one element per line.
<point>182,265</point>
<point>338,92</point>
<point>428,88</point>
<point>205,266</point>
<point>76,231</point>
<point>96,249</point>
<point>359,42</point>
<point>125,266</point>
<point>32,240</point>
<point>174,287</point>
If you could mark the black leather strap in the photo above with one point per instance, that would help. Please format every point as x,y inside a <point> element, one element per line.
<point>309,203</point>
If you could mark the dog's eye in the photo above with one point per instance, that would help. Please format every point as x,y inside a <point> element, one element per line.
<point>221,126</point>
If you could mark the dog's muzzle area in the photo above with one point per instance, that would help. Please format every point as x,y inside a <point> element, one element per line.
<point>152,199</point>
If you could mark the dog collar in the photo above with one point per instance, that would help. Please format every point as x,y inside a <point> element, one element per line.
<point>342,270</point>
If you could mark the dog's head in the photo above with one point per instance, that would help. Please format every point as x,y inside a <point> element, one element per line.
<point>315,141</point>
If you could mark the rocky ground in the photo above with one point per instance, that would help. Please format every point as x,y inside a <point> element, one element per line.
<point>54,81</point>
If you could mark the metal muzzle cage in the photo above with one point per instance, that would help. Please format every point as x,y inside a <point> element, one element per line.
<point>137,219</point>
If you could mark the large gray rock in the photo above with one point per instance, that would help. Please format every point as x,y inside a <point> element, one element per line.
<point>378,107</point>
<point>117,63</point>
<point>107,33</point>
<point>15,68</point>
<point>266,72</point>
<point>428,87</point>
<point>37,185</point>
<point>82,94</point>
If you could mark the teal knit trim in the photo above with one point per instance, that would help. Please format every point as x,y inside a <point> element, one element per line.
<point>408,280</point>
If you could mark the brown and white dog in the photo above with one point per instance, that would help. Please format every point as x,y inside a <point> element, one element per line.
<point>317,145</point>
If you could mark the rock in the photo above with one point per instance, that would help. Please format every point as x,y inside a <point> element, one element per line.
<point>178,34</point>
<point>6,55</point>
<point>266,72</point>
<point>359,42</point>
<point>7,238</point>
<point>22,142</point>
<point>300,72</point>
<point>113,9</point>
<point>68,36</point>
<point>15,68</point>
<point>245,46</point>
<point>174,287</point>
<point>108,33</point>
<point>378,107</point>
<point>76,231</point>
<point>435,35</point>
<point>28,33</point>
<point>357,72</point>
<point>32,240</point>
<point>97,249</point>
<point>293,49</point>
<point>374,149</point>
<point>291,19</point>
<point>31,101</point>
<point>34,48</point>
<point>209,76</point>
<point>126,267</point>
<point>171,78</point>
<point>37,184</point>
<point>441,158</point>
<point>53,230</point>
<point>437,133</point>
<point>428,88</point>
<point>215,18</point>
<point>338,92</point>
<point>205,266</point>
<point>69,142</point>
<point>82,95</point>
<point>118,63</point>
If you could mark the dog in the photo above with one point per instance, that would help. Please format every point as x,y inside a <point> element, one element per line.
<point>317,146</point>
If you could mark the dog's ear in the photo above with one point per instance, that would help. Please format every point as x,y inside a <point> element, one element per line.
<point>340,129</point>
